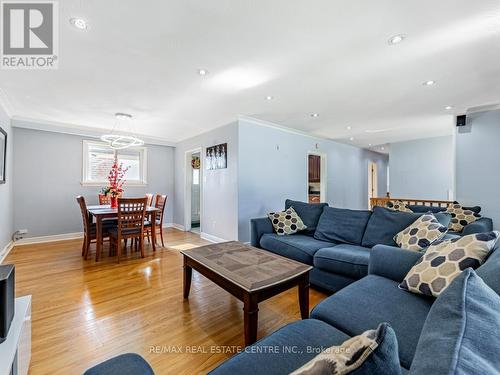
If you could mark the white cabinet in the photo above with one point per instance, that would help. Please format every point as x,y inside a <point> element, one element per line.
<point>15,351</point>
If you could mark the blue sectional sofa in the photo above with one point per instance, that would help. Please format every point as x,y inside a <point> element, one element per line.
<point>364,304</point>
<point>337,242</point>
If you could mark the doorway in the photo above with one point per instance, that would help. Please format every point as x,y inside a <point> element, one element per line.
<point>372,182</point>
<point>316,177</point>
<point>192,212</point>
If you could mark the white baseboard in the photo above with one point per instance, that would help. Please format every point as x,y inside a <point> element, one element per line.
<point>43,239</point>
<point>211,238</point>
<point>177,226</point>
<point>6,250</point>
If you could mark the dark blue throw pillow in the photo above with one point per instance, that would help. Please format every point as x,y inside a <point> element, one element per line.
<point>460,334</point>
<point>342,225</point>
<point>384,224</point>
<point>308,212</point>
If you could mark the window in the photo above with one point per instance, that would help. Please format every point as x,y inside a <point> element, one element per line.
<point>98,159</point>
<point>196,176</point>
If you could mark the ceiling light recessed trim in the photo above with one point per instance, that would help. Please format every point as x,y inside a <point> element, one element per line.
<point>448,107</point>
<point>395,39</point>
<point>202,72</point>
<point>429,83</point>
<point>351,139</point>
<point>314,114</point>
<point>269,97</point>
<point>79,23</point>
<point>348,127</point>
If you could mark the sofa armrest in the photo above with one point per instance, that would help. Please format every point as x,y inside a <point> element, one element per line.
<point>485,224</point>
<point>392,262</point>
<point>259,227</point>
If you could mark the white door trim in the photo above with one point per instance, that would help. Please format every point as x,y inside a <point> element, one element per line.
<point>187,187</point>
<point>323,173</point>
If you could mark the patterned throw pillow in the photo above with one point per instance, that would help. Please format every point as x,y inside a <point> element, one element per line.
<point>460,217</point>
<point>286,222</point>
<point>419,235</point>
<point>372,352</point>
<point>398,206</point>
<point>445,260</point>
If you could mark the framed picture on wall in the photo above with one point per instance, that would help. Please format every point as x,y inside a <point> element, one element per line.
<point>3,154</point>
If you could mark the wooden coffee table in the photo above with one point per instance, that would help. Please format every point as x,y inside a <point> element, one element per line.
<point>252,275</point>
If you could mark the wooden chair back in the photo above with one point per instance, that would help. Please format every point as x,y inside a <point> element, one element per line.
<point>131,212</point>
<point>150,199</point>
<point>409,201</point>
<point>105,199</point>
<point>85,214</point>
<point>161,202</point>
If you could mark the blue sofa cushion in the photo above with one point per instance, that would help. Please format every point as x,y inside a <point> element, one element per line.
<point>125,364</point>
<point>373,352</point>
<point>306,337</point>
<point>373,300</point>
<point>460,334</point>
<point>308,212</point>
<point>490,270</point>
<point>384,224</point>
<point>342,225</point>
<point>347,260</point>
<point>424,209</point>
<point>296,246</point>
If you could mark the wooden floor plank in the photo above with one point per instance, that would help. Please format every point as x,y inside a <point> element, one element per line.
<point>85,312</point>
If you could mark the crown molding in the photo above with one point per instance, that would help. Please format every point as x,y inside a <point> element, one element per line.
<point>73,129</point>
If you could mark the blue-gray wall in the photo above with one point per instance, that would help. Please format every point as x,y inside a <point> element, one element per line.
<point>6,190</point>
<point>478,163</point>
<point>219,198</point>
<point>422,169</point>
<point>268,175</point>
<point>48,174</point>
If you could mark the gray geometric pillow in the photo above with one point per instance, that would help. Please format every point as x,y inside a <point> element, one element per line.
<point>372,352</point>
<point>398,205</point>
<point>445,260</point>
<point>286,222</point>
<point>419,235</point>
<point>460,217</point>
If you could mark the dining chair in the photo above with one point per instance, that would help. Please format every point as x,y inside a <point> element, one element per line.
<point>131,213</point>
<point>150,199</point>
<point>104,199</point>
<point>160,203</point>
<point>89,228</point>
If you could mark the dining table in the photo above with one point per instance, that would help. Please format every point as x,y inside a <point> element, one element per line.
<point>103,212</point>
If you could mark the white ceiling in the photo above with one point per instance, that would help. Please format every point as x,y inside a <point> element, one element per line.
<point>329,57</point>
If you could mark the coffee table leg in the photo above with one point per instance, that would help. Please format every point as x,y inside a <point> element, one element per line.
<point>250,317</point>
<point>304,297</point>
<point>188,272</point>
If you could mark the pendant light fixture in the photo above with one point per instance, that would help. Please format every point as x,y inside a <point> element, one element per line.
<point>117,139</point>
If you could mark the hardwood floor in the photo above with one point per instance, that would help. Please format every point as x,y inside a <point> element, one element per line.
<point>85,312</point>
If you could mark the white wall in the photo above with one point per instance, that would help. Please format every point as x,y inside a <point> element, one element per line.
<point>219,206</point>
<point>6,190</point>
<point>268,175</point>
<point>422,169</point>
<point>48,172</point>
<point>478,163</point>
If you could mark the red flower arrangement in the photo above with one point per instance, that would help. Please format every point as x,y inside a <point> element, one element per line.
<point>116,180</point>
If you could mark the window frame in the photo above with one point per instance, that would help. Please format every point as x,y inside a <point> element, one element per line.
<point>143,156</point>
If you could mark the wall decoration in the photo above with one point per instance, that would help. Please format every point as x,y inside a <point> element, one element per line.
<point>195,162</point>
<point>3,155</point>
<point>216,157</point>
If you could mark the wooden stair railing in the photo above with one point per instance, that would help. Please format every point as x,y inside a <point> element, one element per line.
<point>409,201</point>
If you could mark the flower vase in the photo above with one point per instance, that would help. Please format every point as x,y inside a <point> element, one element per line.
<point>114,202</point>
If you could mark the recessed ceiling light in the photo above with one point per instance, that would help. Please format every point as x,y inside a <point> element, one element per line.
<point>369,145</point>
<point>79,23</point>
<point>429,83</point>
<point>382,148</point>
<point>396,39</point>
<point>202,72</point>
<point>314,115</point>
<point>348,127</point>
<point>269,97</point>
<point>448,107</point>
<point>351,139</point>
